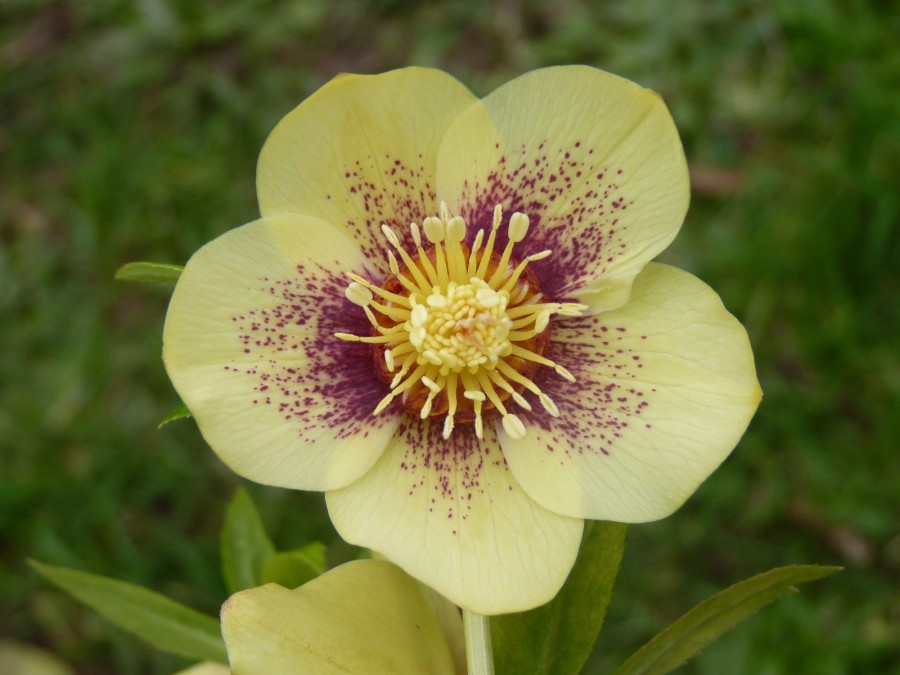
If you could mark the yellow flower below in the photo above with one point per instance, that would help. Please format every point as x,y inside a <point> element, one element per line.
<point>365,616</point>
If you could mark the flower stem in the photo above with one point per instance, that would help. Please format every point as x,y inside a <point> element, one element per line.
<point>479,655</point>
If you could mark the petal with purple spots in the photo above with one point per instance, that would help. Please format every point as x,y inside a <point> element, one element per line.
<point>452,515</point>
<point>594,160</point>
<point>361,152</point>
<point>665,388</point>
<point>249,345</point>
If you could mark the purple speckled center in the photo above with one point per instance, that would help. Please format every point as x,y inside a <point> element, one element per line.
<point>315,380</point>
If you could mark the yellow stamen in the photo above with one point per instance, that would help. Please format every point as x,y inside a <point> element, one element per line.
<point>489,246</point>
<point>387,295</point>
<point>473,254</point>
<point>404,256</point>
<point>446,339</point>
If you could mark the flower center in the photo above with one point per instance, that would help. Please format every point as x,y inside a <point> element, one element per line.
<point>462,327</point>
<point>457,331</point>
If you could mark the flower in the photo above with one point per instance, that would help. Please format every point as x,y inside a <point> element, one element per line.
<point>447,320</point>
<point>365,616</point>
<point>206,668</point>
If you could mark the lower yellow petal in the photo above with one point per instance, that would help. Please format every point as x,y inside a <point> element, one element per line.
<point>206,668</point>
<point>665,388</point>
<point>452,515</point>
<point>365,616</point>
<point>23,659</point>
<point>249,345</point>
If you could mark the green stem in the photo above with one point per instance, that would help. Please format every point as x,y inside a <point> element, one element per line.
<point>479,655</point>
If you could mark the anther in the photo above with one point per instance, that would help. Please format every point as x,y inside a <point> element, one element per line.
<point>387,295</point>
<point>498,217</point>
<point>392,263</point>
<point>456,229</point>
<point>513,426</point>
<point>518,398</point>
<point>562,372</point>
<point>518,226</point>
<point>548,404</point>
<point>392,336</point>
<point>384,403</point>
<point>391,236</point>
<point>434,229</point>
<point>358,294</point>
<point>448,427</point>
<point>570,309</point>
<point>540,255</point>
<point>473,254</point>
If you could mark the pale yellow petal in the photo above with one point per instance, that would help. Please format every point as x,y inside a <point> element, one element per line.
<point>366,616</point>
<point>361,152</point>
<point>22,659</point>
<point>594,160</point>
<point>206,668</point>
<point>450,620</point>
<point>249,345</point>
<point>665,388</point>
<point>452,515</point>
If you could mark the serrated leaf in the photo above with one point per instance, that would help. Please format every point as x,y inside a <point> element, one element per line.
<point>558,637</point>
<point>149,272</point>
<point>245,545</point>
<point>163,623</point>
<point>292,569</point>
<point>180,412</point>
<point>713,617</point>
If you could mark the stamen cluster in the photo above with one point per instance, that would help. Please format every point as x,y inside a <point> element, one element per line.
<point>459,328</point>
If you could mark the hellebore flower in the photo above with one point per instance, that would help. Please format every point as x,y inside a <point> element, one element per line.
<point>365,616</point>
<point>447,320</point>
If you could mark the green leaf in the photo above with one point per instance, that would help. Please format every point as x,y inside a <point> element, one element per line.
<point>713,617</point>
<point>153,617</point>
<point>292,569</point>
<point>149,271</point>
<point>180,412</point>
<point>246,548</point>
<point>558,637</point>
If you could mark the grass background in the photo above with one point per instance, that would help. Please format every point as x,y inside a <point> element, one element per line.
<point>130,130</point>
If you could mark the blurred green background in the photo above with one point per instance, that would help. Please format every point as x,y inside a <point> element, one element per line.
<point>130,131</point>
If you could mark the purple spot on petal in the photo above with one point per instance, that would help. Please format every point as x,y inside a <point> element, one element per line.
<point>570,205</point>
<point>310,377</point>
<point>606,398</point>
